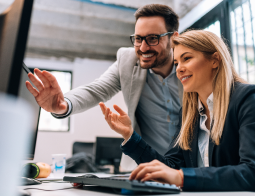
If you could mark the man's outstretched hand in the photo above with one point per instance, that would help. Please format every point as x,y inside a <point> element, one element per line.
<point>120,123</point>
<point>49,95</point>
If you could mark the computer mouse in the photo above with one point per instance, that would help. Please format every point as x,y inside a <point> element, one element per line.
<point>89,176</point>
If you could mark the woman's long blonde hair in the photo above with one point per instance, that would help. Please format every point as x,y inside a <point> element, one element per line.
<point>208,43</point>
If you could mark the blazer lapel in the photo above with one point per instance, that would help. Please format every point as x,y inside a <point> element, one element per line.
<point>137,82</point>
<point>211,147</point>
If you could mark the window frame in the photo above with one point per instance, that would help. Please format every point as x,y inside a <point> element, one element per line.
<point>221,13</point>
<point>71,86</point>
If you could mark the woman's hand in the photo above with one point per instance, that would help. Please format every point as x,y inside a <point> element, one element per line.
<point>157,171</point>
<point>120,123</point>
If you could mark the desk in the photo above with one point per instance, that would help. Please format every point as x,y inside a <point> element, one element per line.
<point>100,191</point>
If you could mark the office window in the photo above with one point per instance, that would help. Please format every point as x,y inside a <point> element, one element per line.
<point>214,27</point>
<point>237,27</point>
<point>242,14</point>
<point>47,122</point>
<point>216,21</point>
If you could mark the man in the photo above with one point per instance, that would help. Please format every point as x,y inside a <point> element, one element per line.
<point>145,74</point>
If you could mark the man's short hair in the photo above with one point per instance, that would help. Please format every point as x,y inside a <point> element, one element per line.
<point>171,18</point>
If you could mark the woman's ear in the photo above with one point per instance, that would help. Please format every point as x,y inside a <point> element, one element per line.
<point>216,59</point>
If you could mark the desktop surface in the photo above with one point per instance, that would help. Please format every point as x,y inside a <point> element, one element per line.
<point>69,190</point>
<point>100,191</point>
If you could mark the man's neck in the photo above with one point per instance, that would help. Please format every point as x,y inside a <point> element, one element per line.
<point>164,71</point>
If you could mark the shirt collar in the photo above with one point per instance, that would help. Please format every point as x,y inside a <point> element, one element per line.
<point>160,77</point>
<point>209,102</point>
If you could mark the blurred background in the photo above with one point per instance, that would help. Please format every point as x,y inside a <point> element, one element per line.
<point>77,41</point>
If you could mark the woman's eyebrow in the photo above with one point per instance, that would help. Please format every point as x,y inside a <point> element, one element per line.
<point>182,55</point>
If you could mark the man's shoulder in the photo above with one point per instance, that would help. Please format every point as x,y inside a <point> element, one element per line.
<point>126,53</point>
<point>124,50</point>
<point>126,58</point>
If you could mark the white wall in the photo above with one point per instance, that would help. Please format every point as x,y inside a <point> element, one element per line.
<point>84,126</point>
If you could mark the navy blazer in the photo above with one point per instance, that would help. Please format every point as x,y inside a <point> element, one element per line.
<point>231,163</point>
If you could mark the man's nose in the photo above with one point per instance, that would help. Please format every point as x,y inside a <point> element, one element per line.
<point>144,46</point>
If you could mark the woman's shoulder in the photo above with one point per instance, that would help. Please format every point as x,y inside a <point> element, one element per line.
<point>241,91</point>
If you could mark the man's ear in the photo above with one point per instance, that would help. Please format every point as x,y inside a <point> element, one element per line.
<point>216,59</point>
<point>172,37</point>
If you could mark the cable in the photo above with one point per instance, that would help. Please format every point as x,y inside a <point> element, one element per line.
<point>48,190</point>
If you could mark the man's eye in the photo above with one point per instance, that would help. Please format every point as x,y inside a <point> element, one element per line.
<point>137,39</point>
<point>151,38</point>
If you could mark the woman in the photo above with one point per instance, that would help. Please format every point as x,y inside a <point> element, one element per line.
<point>215,147</point>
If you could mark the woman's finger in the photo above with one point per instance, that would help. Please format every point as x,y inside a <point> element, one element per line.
<point>156,176</point>
<point>103,107</point>
<point>106,114</point>
<point>119,110</point>
<point>148,169</point>
<point>136,170</point>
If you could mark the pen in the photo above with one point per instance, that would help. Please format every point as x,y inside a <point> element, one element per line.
<point>25,68</point>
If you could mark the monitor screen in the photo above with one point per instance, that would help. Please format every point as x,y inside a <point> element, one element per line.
<point>108,152</point>
<point>14,27</point>
<point>27,96</point>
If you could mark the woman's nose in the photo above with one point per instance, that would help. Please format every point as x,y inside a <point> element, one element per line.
<point>180,70</point>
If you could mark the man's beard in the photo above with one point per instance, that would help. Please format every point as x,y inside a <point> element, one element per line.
<point>159,62</point>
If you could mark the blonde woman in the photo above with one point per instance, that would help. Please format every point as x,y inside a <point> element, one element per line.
<point>215,147</point>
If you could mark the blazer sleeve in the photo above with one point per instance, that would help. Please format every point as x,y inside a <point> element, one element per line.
<point>141,152</point>
<point>102,89</point>
<point>239,177</point>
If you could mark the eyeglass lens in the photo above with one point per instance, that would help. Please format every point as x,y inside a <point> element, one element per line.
<point>150,40</point>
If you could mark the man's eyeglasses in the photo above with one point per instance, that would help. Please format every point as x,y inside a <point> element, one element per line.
<point>151,40</point>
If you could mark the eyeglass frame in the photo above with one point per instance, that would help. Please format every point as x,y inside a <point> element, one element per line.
<point>144,38</point>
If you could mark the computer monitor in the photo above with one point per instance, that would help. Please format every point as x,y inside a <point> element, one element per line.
<point>29,98</point>
<point>108,152</point>
<point>14,26</point>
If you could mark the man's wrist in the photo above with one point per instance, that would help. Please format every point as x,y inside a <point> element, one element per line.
<point>69,110</point>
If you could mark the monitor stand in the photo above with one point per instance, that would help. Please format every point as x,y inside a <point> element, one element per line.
<point>116,164</point>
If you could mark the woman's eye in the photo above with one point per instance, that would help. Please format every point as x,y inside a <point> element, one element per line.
<point>186,58</point>
<point>176,64</point>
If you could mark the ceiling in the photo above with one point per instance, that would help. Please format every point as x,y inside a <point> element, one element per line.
<point>86,28</point>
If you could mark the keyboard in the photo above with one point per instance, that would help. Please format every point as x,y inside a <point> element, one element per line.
<point>116,183</point>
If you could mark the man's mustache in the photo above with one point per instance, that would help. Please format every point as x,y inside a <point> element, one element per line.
<point>147,52</point>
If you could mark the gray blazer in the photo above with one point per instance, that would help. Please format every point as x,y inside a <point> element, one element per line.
<point>124,75</point>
